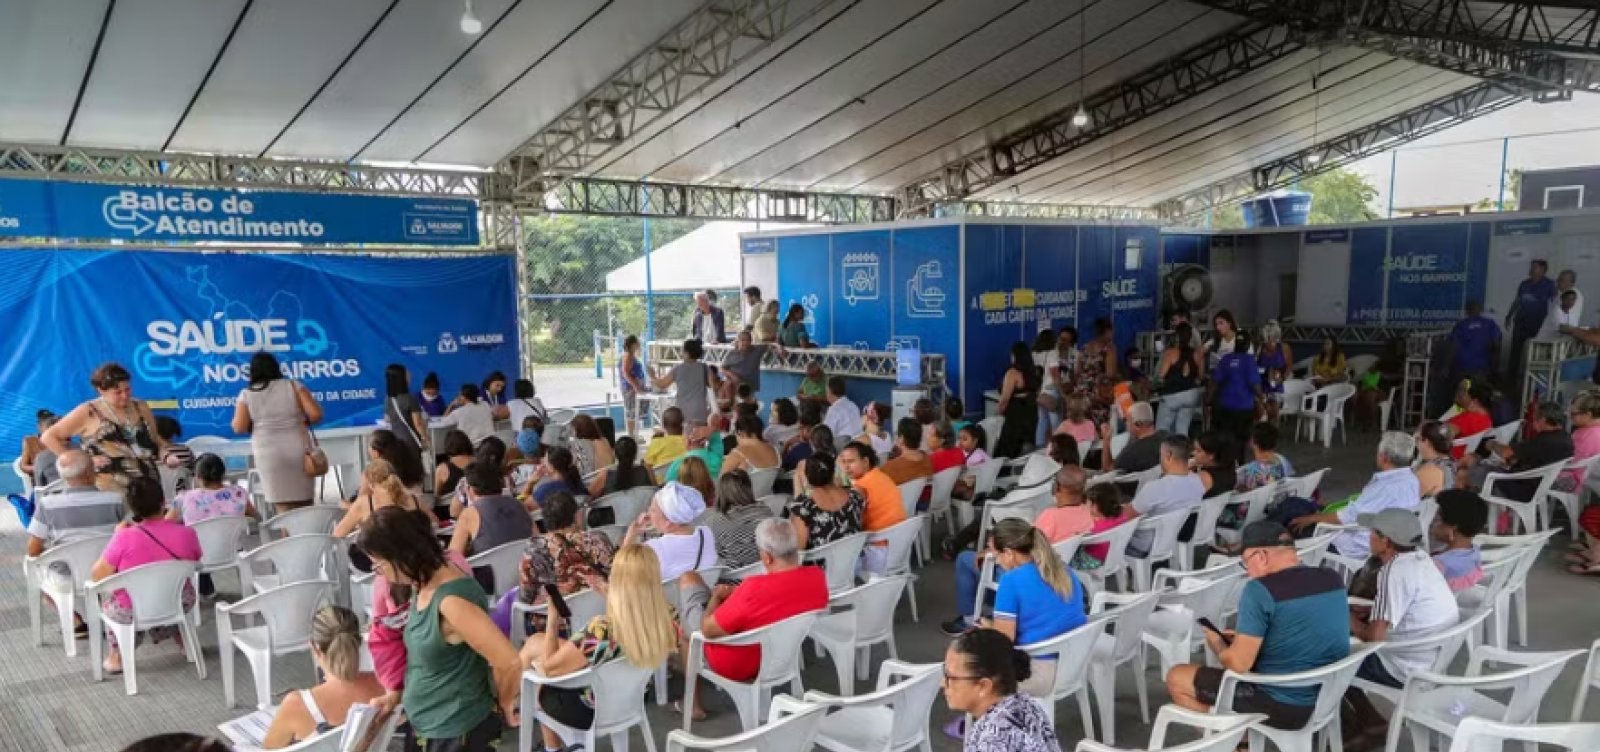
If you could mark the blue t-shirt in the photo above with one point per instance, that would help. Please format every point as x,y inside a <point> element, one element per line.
<point>1303,620</point>
<point>552,485</point>
<point>1040,612</point>
<point>1533,303</point>
<point>1473,338</point>
<point>1236,377</point>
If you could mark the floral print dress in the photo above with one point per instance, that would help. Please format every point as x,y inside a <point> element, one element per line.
<point>825,526</point>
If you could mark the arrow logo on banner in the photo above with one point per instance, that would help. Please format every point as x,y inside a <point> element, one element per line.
<point>125,217</point>
<point>313,338</point>
<point>160,370</point>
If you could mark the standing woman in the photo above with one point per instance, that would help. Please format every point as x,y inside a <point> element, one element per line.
<point>403,411</point>
<point>1097,370</point>
<point>1065,371</point>
<point>1179,375</point>
<point>494,394</point>
<point>278,414</point>
<point>459,666</point>
<point>1226,338</point>
<point>1019,395</point>
<point>693,378</point>
<point>524,405</point>
<point>630,373</point>
<point>1274,359</point>
<point>981,674</point>
<point>118,431</point>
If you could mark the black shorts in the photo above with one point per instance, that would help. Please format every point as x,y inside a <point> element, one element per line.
<point>566,706</point>
<point>483,737</point>
<point>1249,698</point>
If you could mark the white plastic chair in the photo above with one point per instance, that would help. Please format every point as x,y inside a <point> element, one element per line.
<point>1164,531</point>
<point>626,506</point>
<point>1072,652</point>
<point>1479,735</point>
<point>790,729</point>
<point>1304,486</point>
<point>1255,502</point>
<point>891,719</point>
<point>318,519</point>
<point>1469,444</point>
<point>1512,595</point>
<point>1571,501</point>
<point>838,560</point>
<point>984,477</point>
<point>294,559</point>
<point>505,560</point>
<point>1172,630</point>
<point>1204,533</point>
<point>991,431</point>
<point>1220,733</point>
<point>940,501</point>
<point>584,605</point>
<point>1525,512</point>
<point>1333,679</point>
<point>618,688</point>
<point>857,619</point>
<point>761,480</point>
<point>901,538</point>
<point>1507,433</point>
<point>1022,503</point>
<point>78,557</point>
<point>1330,416</point>
<point>1294,393</point>
<point>911,494</point>
<point>156,593</point>
<point>1116,561</point>
<point>1590,678</point>
<point>1386,409</point>
<point>27,479</point>
<point>1433,704</point>
<point>780,664</point>
<point>1125,646</point>
<point>1314,549</point>
<point>220,538</point>
<point>1445,644</point>
<point>286,612</point>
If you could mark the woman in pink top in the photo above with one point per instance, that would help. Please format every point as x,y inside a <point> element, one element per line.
<point>1106,508</point>
<point>213,498</point>
<point>146,538</point>
<point>1077,423</point>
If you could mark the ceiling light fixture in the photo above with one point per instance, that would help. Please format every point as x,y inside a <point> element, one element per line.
<point>469,21</point>
<point>1080,119</point>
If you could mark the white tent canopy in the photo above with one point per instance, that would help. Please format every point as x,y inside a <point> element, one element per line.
<point>707,258</point>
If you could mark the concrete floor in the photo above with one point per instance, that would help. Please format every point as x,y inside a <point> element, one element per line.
<point>49,703</point>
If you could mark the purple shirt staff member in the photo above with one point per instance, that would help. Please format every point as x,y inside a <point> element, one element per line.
<point>1235,392</point>
<point>1529,309</point>
<point>1474,343</point>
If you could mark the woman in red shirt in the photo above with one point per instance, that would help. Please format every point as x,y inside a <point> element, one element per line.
<point>1474,416</point>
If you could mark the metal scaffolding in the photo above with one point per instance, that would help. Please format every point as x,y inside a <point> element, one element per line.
<point>1042,211</point>
<point>856,364</point>
<point>1553,362</point>
<point>1177,79</point>
<point>1388,133</point>
<point>628,198</point>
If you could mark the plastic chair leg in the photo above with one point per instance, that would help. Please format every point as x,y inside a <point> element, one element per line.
<point>1085,711</point>
<point>126,644</point>
<point>191,646</point>
<point>1104,682</point>
<point>1139,684</point>
<point>261,672</point>
<point>64,616</point>
<point>649,736</point>
<point>225,655</point>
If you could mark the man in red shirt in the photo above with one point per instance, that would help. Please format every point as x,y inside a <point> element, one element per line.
<point>787,589</point>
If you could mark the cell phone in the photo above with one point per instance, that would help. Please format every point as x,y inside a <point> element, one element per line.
<point>1204,622</point>
<point>557,602</point>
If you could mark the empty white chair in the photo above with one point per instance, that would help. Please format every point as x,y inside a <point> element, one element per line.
<point>1072,652</point>
<point>1327,417</point>
<point>584,605</point>
<point>790,729</point>
<point>1445,644</point>
<point>780,664</point>
<point>294,559</point>
<point>1173,631</point>
<point>911,494</point>
<point>505,560</point>
<point>1205,531</point>
<point>891,719</point>
<point>761,480</point>
<point>991,431</point>
<point>1294,392</point>
<point>857,619</point>
<point>318,519</point>
<point>1478,734</point>
<point>1433,704</point>
<point>900,538</point>
<point>220,538</point>
<point>1512,595</point>
<point>78,557</point>
<point>618,688</point>
<point>286,612</point>
<point>1116,561</point>
<point>1524,512</point>
<point>1590,678</point>
<point>1331,681</point>
<point>1164,531</point>
<point>838,560</point>
<point>1221,733</point>
<point>1125,646</point>
<point>156,593</point>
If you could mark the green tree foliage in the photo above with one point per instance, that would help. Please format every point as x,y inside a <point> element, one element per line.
<point>571,255</point>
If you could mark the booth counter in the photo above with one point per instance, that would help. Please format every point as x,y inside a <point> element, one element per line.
<point>870,375</point>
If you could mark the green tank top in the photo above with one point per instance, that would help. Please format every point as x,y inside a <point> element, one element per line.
<point>448,688</point>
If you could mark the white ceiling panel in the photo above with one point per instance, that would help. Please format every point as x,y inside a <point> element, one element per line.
<point>1276,85</point>
<point>842,36</point>
<point>1119,47</point>
<point>875,80</point>
<point>532,29</point>
<point>414,45</point>
<point>44,48</point>
<point>282,53</point>
<point>134,98</point>
<point>575,69</point>
<point>1032,36</point>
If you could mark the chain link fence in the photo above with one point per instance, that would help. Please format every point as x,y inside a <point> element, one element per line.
<point>573,325</point>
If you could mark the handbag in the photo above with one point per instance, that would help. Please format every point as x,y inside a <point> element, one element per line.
<point>315,462</point>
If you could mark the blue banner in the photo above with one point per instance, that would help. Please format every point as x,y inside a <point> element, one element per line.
<point>32,208</point>
<point>803,278</point>
<point>1416,275</point>
<point>860,262</point>
<point>926,291</point>
<point>186,325</point>
<point>1369,251</point>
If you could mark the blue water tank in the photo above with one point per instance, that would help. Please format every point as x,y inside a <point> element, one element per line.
<point>1282,210</point>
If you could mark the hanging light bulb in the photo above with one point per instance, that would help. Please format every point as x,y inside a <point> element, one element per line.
<point>1080,119</point>
<point>469,21</point>
<point>1313,158</point>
